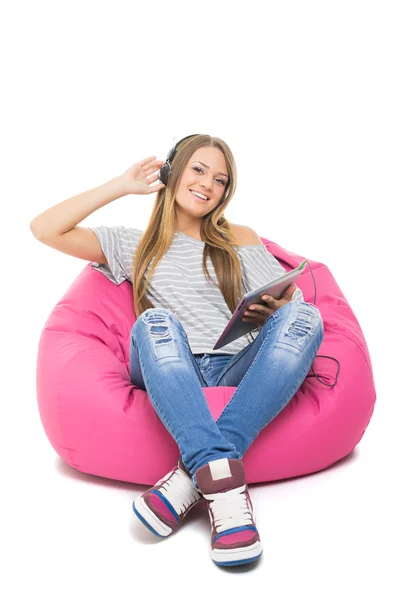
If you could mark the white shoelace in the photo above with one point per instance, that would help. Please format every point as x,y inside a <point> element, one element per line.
<point>230,509</point>
<point>179,491</point>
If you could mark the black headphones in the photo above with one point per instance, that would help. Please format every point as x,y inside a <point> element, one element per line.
<point>165,170</point>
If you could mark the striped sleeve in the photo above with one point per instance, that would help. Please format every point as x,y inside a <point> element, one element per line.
<point>259,267</point>
<point>119,245</point>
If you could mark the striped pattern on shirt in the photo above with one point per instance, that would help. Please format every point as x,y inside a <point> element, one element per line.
<point>180,285</point>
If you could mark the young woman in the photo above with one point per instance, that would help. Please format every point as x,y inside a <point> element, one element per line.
<point>189,269</point>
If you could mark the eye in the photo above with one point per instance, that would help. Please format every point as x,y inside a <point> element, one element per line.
<point>201,170</point>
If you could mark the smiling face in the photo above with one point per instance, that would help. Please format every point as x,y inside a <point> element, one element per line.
<point>207,174</point>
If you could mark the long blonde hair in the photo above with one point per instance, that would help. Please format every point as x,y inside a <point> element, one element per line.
<point>215,230</point>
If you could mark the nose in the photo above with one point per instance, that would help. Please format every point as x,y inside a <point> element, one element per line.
<point>207,182</point>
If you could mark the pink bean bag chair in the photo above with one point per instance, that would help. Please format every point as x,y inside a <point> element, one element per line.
<point>100,423</point>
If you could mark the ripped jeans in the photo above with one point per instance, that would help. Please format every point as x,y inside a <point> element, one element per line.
<point>267,373</point>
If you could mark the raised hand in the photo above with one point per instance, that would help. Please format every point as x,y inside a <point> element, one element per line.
<point>139,176</point>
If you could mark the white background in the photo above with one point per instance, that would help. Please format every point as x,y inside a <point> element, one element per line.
<point>306,94</point>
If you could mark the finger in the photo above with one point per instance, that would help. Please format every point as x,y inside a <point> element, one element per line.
<point>152,178</point>
<point>155,188</point>
<point>154,166</point>
<point>249,315</point>
<point>145,161</point>
<point>259,308</point>
<point>255,314</point>
<point>269,300</point>
<point>290,290</point>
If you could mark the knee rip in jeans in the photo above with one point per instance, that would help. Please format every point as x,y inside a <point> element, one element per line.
<point>159,331</point>
<point>302,326</point>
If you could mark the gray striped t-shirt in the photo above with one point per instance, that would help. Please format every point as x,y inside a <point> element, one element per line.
<point>180,285</point>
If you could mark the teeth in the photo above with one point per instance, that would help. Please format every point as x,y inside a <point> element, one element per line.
<point>199,195</point>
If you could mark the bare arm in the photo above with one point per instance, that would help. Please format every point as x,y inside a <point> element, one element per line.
<point>65,215</point>
<point>57,227</point>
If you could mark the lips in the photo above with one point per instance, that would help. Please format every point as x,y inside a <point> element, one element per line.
<point>198,198</point>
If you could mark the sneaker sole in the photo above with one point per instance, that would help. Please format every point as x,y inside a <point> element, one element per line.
<point>237,556</point>
<point>149,519</point>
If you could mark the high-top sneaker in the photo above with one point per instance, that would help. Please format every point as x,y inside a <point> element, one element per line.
<point>163,507</point>
<point>234,536</point>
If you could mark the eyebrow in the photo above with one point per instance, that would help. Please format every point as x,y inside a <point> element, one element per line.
<point>199,161</point>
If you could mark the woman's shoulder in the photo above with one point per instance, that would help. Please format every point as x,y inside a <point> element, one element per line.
<point>245,236</point>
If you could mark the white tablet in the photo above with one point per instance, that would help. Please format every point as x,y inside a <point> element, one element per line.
<point>236,327</point>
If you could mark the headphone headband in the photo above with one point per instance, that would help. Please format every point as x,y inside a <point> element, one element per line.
<point>165,170</point>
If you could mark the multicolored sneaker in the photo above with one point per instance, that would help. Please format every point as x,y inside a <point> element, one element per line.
<point>163,507</point>
<point>234,537</point>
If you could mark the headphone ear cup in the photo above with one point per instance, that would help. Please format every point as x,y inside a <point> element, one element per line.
<point>165,170</point>
<point>164,173</point>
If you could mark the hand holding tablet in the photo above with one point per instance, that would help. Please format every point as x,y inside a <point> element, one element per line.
<point>277,288</point>
<point>259,313</point>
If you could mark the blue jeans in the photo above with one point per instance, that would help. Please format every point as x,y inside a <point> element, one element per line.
<point>267,374</point>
